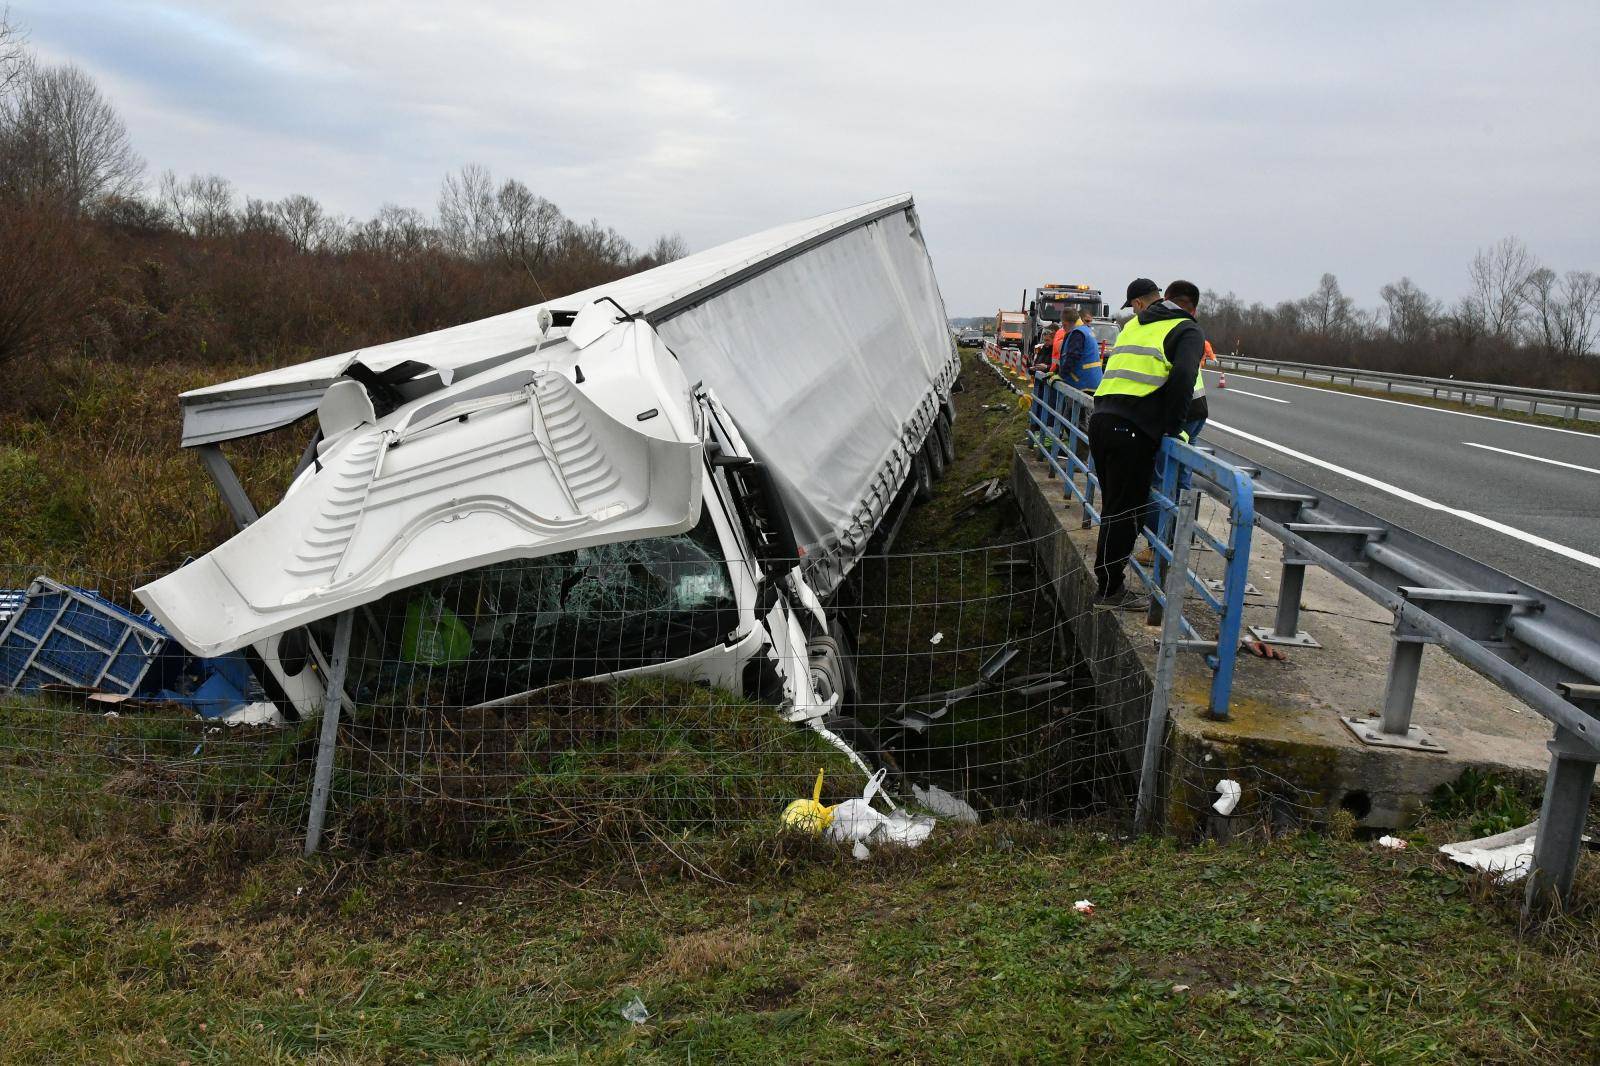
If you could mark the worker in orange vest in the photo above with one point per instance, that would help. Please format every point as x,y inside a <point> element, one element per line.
<point>1194,419</point>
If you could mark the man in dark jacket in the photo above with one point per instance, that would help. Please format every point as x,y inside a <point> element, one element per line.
<point>1144,394</point>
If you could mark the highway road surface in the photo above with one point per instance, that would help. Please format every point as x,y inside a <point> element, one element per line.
<point>1522,498</point>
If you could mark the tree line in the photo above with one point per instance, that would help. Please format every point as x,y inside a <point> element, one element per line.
<point>1520,323</point>
<point>98,261</point>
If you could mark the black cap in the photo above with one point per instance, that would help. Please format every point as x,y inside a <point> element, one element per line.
<point>1140,287</point>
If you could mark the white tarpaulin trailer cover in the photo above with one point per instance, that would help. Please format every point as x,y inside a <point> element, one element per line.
<point>825,340</point>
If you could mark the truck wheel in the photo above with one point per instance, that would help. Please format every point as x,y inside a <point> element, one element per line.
<point>922,479</point>
<point>934,453</point>
<point>947,437</point>
<point>827,668</point>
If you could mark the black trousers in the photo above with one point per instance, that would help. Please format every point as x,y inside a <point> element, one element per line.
<point>1124,460</point>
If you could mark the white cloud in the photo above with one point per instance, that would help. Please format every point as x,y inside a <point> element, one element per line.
<point>1248,145</point>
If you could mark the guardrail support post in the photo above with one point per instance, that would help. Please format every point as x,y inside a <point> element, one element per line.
<point>1400,687</point>
<point>1394,729</point>
<point>1286,623</point>
<point>1566,806</point>
<point>332,700</point>
<point>1175,588</point>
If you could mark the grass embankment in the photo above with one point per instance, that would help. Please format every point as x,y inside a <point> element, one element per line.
<point>96,488</point>
<point>145,943</point>
<point>137,926</point>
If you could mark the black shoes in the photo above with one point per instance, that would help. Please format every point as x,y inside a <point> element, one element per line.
<point>1124,599</point>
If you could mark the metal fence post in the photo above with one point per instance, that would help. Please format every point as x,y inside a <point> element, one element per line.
<point>332,701</point>
<point>1286,622</point>
<point>1400,687</point>
<point>1175,589</point>
<point>1567,788</point>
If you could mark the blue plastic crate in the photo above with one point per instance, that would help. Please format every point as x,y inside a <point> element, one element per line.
<point>69,636</point>
<point>10,600</point>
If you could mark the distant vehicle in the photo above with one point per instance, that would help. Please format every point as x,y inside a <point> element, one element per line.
<point>1010,329</point>
<point>1049,304</point>
<point>1105,329</point>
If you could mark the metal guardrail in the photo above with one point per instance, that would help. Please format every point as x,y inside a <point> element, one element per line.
<point>1058,420</point>
<point>1536,646</point>
<point>1575,405</point>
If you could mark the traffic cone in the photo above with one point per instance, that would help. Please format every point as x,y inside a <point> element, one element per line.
<point>1222,380</point>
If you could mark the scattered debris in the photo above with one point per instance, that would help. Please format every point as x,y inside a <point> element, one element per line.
<point>856,821</point>
<point>1228,793</point>
<point>1507,856</point>
<point>991,488</point>
<point>111,648</point>
<point>809,815</point>
<point>1083,906</point>
<point>635,1011</point>
<point>1392,843</point>
<point>937,638</point>
<point>1179,989</point>
<point>1262,650</point>
<point>10,603</point>
<point>859,850</point>
<point>945,804</point>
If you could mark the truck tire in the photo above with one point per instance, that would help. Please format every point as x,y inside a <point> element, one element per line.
<point>922,479</point>
<point>847,660</point>
<point>947,437</point>
<point>933,451</point>
<point>826,660</point>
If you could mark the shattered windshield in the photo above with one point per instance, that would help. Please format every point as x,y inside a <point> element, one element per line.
<point>507,628</point>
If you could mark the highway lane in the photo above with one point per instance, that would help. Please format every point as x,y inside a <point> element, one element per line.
<point>1520,497</point>
<point>1546,407</point>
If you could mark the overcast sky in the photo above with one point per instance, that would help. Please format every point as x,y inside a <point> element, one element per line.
<point>1247,146</point>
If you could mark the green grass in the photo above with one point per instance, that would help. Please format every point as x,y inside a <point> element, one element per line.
<point>138,946</point>
<point>139,926</point>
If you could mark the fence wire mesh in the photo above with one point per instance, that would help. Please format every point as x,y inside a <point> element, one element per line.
<point>613,690</point>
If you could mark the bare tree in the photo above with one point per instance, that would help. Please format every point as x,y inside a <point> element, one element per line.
<point>1498,287</point>
<point>1563,310</point>
<point>303,221</point>
<point>200,205</point>
<point>60,138</point>
<point>668,247</point>
<point>1327,310</point>
<point>1411,313</point>
<point>467,210</point>
<point>526,226</point>
<point>13,54</point>
<point>395,231</point>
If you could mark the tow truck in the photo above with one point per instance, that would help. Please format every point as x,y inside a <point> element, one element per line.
<point>1048,304</point>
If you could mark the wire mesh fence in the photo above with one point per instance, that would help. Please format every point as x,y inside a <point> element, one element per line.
<point>621,690</point>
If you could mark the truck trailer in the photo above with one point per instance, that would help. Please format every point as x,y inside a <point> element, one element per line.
<point>673,473</point>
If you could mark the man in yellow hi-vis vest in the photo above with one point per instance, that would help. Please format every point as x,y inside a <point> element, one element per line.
<point>1144,393</point>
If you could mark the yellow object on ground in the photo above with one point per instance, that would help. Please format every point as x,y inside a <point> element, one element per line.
<point>809,815</point>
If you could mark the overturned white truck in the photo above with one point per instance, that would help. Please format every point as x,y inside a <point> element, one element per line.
<point>670,473</point>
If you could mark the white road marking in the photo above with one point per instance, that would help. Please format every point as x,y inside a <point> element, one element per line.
<point>1535,458</point>
<point>1257,395</point>
<point>1422,501</point>
<point>1416,406</point>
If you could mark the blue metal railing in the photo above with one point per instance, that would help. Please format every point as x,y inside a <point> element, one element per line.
<point>1058,428</point>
